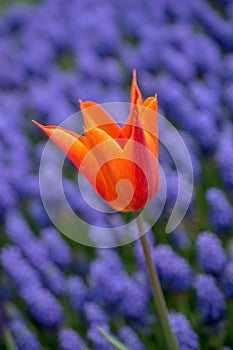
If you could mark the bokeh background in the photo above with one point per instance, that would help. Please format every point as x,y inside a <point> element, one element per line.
<point>54,292</point>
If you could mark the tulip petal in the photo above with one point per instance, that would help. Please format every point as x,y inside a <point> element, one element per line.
<point>136,99</point>
<point>136,96</point>
<point>149,115</point>
<point>113,168</point>
<point>96,117</point>
<point>144,163</point>
<point>153,146</point>
<point>74,146</point>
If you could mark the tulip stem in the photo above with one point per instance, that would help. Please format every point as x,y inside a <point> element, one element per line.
<point>159,300</point>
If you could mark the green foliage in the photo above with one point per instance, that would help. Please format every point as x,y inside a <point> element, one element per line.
<point>10,344</point>
<point>118,345</point>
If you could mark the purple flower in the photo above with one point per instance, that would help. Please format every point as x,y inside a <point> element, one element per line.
<point>130,338</point>
<point>219,28</point>
<point>180,239</point>
<point>206,99</point>
<point>186,336</point>
<point>24,338</point>
<point>169,98</point>
<point>77,292</point>
<point>38,213</point>
<point>227,89</point>
<point>7,195</point>
<point>177,64</point>
<point>209,59</point>
<point>50,275</point>
<point>220,210</point>
<point>210,299</point>
<point>94,314</point>
<point>43,306</point>
<point>70,340</point>
<point>174,271</point>
<point>107,277</point>
<point>203,127</point>
<point>16,228</point>
<point>172,191</point>
<point>59,250</point>
<point>98,341</point>
<point>35,65</point>
<point>224,159</point>
<point>227,279</point>
<point>53,278</point>
<point>211,255</point>
<point>17,268</point>
<point>134,300</point>
<point>35,251</point>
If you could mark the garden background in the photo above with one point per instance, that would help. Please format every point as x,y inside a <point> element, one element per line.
<point>54,292</point>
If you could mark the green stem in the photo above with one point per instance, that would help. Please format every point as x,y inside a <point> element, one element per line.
<point>156,288</point>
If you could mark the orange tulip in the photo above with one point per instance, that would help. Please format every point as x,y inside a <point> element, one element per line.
<point>120,163</point>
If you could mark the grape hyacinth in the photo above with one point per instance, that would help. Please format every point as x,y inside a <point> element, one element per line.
<point>211,255</point>
<point>43,306</point>
<point>24,338</point>
<point>16,267</point>
<point>77,292</point>
<point>70,340</point>
<point>210,299</point>
<point>224,159</point>
<point>220,210</point>
<point>97,340</point>
<point>107,278</point>
<point>59,250</point>
<point>130,338</point>
<point>186,336</point>
<point>94,315</point>
<point>227,279</point>
<point>180,239</point>
<point>203,127</point>
<point>174,271</point>
<point>134,301</point>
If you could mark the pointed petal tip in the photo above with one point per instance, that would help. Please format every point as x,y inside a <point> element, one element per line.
<point>134,78</point>
<point>48,130</point>
<point>37,124</point>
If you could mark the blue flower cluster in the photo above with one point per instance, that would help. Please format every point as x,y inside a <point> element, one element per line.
<point>211,255</point>
<point>187,338</point>
<point>220,210</point>
<point>23,337</point>
<point>70,340</point>
<point>53,53</point>
<point>210,299</point>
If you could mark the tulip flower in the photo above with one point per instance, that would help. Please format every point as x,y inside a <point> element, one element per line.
<point>121,163</point>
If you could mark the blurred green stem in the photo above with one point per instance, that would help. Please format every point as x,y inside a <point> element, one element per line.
<point>159,300</point>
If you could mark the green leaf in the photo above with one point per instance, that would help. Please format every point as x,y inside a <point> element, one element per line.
<point>118,345</point>
<point>10,344</point>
